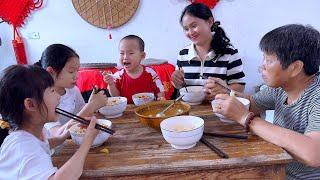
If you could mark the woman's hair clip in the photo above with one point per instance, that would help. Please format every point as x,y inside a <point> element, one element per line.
<point>215,25</point>
<point>4,124</point>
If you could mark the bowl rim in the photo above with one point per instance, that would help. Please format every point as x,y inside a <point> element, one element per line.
<point>182,131</point>
<point>155,102</point>
<point>185,130</point>
<point>183,90</point>
<point>82,135</point>
<point>125,100</point>
<point>148,93</point>
<point>244,99</point>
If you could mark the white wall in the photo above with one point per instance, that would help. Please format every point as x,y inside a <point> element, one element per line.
<point>157,22</point>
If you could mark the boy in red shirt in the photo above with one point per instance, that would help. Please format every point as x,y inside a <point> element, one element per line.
<point>133,78</point>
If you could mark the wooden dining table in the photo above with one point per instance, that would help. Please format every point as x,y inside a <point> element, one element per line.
<point>137,151</point>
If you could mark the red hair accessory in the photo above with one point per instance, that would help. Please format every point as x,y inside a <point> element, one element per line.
<point>210,3</point>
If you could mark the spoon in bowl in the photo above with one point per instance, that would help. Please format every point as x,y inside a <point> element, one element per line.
<point>161,114</point>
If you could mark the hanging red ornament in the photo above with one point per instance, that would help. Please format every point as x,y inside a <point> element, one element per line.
<point>15,12</point>
<point>109,28</point>
<point>210,3</point>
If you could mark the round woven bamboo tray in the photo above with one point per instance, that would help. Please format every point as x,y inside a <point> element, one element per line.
<point>106,14</point>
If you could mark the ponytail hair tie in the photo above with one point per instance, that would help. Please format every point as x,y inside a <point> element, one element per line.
<point>4,124</point>
<point>38,63</point>
<point>215,25</point>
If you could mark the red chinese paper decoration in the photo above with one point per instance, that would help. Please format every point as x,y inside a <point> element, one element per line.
<point>210,3</point>
<point>15,12</point>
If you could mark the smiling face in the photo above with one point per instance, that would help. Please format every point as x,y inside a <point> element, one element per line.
<point>67,78</point>
<point>196,29</point>
<point>130,54</point>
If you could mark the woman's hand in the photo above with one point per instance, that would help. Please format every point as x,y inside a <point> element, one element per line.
<point>231,108</point>
<point>212,87</point>
<point>177,79</point>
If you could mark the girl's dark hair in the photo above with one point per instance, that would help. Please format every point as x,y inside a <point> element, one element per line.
<point>138,39</point>
<point>220,42</point>
<point>56,56</point>
<point>17,83</point>
<point>294,42</point>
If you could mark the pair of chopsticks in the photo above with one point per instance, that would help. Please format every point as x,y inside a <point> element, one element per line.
<point>83,121</point>
<point>94,89</point>
<point>184,84</point>
<point>214,148</point>
<point>222,85</point>
<point>235,136</point>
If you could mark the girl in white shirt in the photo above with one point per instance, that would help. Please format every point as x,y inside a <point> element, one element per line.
<point>27,101</point>
<point>63,64</point>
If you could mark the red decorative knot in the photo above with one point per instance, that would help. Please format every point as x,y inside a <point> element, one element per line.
<point>210,3</point>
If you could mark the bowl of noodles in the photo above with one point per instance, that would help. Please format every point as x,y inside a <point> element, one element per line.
<point>78,132</point>
<point>114,107</point>
<point>148,113</point>
<point>193,95</point>
<point>182,132</point>
<point>142,98</point>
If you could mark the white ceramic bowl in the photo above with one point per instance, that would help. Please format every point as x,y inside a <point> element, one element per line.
<point>77,133</point>
<point>182,132</point>
<point>142,98</point>
<point>215,102</point>
<point>194,96</point>
<point>115,107</point>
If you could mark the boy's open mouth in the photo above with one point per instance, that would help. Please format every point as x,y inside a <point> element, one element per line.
<point>126,63</point>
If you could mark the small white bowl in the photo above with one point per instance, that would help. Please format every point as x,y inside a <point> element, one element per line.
<point>142,98</point>
<point>194,96</point>
<point>215,102</point>
<point>114,108</point>
<point>182,132</point>
<point>77,133</point>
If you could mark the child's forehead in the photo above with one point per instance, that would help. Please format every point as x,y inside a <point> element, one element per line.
<point>72,62</point>
<point>129,43</point>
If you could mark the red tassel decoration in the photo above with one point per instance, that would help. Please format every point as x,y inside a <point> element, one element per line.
<point>109,28</point>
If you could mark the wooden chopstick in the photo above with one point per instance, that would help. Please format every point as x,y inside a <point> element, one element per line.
<point>235,136</point>
<point>83,121</point>
<point>94,89</point>
<point>184,84</point>
<point>222,85</point>
<point>214,148</point>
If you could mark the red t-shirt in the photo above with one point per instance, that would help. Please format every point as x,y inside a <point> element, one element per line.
<point>148,81</point>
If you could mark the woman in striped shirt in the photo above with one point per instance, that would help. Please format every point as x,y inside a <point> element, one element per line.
<point>209,55</point>
<point>291,70</point>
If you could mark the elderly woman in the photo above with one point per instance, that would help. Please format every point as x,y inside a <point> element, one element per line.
<point>290,69</point>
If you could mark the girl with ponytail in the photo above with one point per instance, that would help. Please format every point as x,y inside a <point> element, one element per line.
<point>27,101</point>
<point>210,55</point>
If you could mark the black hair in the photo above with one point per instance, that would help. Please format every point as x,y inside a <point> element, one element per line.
<point>18,83</point>
<point>294,42</point>
<point>56,56</point>
<point>138,39</point>
<point>220,42</point>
